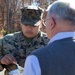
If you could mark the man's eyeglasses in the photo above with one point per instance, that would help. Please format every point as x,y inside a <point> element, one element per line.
<point>44,22</point>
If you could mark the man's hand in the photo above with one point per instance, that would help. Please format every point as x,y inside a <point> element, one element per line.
<point>8,59</point>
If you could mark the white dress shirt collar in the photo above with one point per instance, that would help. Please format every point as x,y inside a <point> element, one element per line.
<point>62,35</point>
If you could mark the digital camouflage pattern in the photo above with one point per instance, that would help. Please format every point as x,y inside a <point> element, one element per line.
<point>16,45</point>
<point>31,15</point>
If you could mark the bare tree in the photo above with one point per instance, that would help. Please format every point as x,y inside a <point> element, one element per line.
<point>2,10</point>
<point>7,5</point>
<point>23,3</point>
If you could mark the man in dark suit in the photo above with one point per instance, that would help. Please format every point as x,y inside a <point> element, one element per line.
<point>58,57</point>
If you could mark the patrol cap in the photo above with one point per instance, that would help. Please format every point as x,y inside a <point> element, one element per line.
<point>31,15</point>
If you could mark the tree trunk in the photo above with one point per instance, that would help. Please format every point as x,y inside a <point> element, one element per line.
<point>7,4</point>
<point>22,3</point>
<point>3,17</point>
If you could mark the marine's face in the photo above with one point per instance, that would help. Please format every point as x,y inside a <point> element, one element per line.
<point>30,31</point>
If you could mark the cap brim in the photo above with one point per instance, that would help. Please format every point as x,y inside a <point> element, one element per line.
<point>33,23</point>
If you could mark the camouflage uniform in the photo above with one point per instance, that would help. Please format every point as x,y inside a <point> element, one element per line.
<point>16,43</point>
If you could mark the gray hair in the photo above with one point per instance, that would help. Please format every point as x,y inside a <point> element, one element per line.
<point>63,10</point>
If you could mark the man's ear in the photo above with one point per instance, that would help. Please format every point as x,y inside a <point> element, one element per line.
<point>52,23</point>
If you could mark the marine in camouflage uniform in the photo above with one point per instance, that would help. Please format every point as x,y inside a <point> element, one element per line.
<point>17,45</point>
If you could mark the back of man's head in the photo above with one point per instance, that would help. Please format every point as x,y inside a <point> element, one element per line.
<point>64,10</point>
<point>60,18</point>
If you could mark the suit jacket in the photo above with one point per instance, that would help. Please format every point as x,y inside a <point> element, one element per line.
<point>57,58</point>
